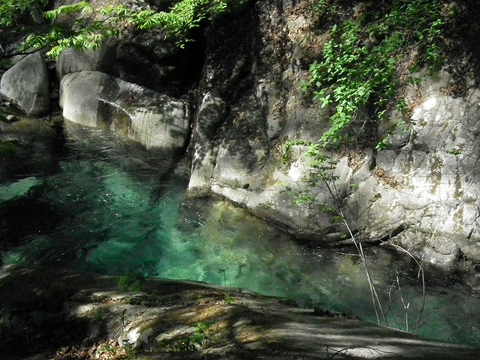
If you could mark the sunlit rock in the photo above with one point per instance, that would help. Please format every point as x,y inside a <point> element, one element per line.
<point>26,84</point>
<point>187,320</point>
<point>420,191</point>
<point>72,60</point>
<point>96,99</point>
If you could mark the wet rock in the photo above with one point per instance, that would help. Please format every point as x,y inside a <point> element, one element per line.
<point>96,99</point>
<point>17,189</point>
<point>12,118</point>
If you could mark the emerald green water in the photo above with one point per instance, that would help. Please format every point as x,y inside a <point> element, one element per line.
<point>103,205</point>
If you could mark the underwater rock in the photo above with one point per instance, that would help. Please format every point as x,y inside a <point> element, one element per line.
<point>17,189</point>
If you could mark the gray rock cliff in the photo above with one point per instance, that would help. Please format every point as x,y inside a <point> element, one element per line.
<point>420,192</point>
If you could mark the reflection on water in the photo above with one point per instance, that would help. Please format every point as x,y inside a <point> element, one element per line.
<point>108,208</point>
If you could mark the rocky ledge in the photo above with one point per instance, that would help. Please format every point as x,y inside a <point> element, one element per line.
<point>49,313</point>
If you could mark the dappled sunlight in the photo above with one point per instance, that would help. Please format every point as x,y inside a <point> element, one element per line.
<point>112,212</point>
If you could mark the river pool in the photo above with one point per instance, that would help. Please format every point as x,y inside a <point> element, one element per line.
<point>98,203</point>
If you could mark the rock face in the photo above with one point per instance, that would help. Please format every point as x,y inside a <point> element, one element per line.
<point>427,181</point>
<point>95,99</point>
<point>27,85</point>
<point>48,309</point>
<point>241,156</point>
<point>72,60</point>
<point>242,159</point>
<point>420,192</point>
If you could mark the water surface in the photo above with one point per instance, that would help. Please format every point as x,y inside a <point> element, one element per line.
<point>109,206</point>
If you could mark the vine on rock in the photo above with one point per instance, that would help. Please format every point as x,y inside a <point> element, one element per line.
<point>363,63</point>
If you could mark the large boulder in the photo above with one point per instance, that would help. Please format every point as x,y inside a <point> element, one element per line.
<point>95,99</point>
<point>72,60</point>
<point>27,85</point>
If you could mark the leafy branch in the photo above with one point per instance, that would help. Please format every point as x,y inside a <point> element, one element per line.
<point>322,172</point>
<point>361,61</point>
<point>83,26</point>
<point>11,10</point>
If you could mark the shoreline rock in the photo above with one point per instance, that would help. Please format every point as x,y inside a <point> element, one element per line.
<point>51,309</point>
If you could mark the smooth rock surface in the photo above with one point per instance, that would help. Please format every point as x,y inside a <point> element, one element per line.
<point>26,84</point>
<point>184,320</point>
<point>95,99</point>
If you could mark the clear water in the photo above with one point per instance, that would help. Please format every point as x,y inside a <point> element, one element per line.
<point>108,206</point>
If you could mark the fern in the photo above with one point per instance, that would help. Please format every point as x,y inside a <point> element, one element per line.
<point>83,26</point>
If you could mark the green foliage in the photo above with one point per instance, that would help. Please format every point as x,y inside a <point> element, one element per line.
<point>7,148</point>
<point>382,145</point>
<point>11,10</point>
<point>321,171</point>
<point>361,61</point>
<point>5,64</point>
<point>322,168</point>
<point>303,199</point>
<point>202,334</point>
<point>78,26</point>
<point>289,145</point>
<point>201,338</point>
<point>82,26</point>
<point>454,151</point>
<point>229,300</point>
<point>130,282</point>
<point>16,21</point>
<point>266,205</point>
<point>82,7</point>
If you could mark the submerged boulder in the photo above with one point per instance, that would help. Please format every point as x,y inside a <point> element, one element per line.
<point>95,99</point>
<point>17,189</point>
